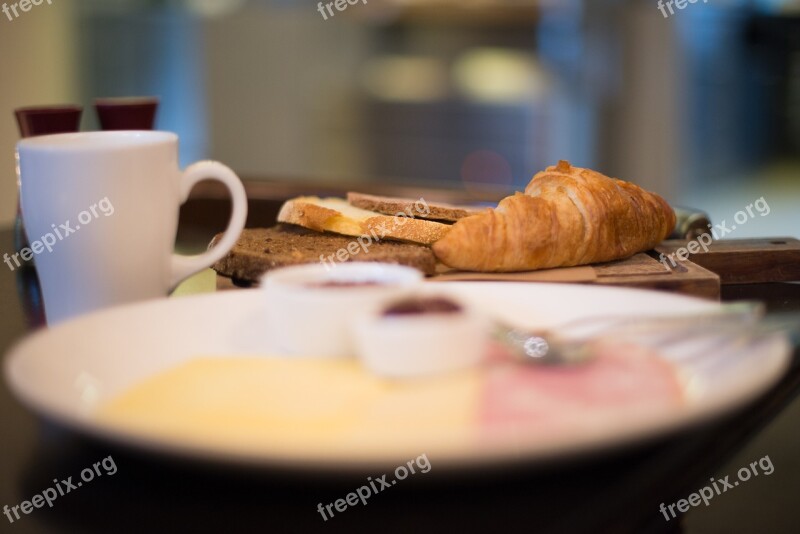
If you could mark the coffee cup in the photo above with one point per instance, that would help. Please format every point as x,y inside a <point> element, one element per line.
<point>101,212</point>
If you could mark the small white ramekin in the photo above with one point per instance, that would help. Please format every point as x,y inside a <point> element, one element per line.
<point>407,346</point>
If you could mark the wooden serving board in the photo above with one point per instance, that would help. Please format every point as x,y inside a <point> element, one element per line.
<point>734,261</point>
<point>740,261</point>
<point>641,270</point>
<point>646,272</point>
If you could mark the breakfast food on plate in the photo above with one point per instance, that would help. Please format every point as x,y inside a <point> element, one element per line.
<point>336,215</point>
<point>567,216</point>
<point>262,406</point>
<point>420,209</point>
<point>259,250</point>
<point>295,408</point>
<point>420,336</point>
<point>623,382</point>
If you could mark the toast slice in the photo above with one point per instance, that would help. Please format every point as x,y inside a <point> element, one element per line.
<point>338,216</point>
<point>260,249</point>
<point>421,209</point>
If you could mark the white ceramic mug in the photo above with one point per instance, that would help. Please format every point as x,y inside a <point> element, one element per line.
<point>101,214</point>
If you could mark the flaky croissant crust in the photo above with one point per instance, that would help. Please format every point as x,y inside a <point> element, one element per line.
<point>567,216</point>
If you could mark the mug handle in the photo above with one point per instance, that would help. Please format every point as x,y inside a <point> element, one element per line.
<point>185,266</point>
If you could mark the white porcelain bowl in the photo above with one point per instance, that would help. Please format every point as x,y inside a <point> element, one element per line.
<point>311,308</point>
<point>406,346</point>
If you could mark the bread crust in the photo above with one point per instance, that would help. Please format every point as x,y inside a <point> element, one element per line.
<point>321,215</point>
<point>259,250</point>
<point>567,216</point>
<point>421,208</point>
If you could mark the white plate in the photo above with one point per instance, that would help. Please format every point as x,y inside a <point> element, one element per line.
<point>66,372</point>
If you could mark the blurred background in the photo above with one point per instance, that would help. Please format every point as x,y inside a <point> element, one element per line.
<point>702,106</point>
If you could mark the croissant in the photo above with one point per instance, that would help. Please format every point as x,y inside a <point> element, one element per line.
<point>567,216</point>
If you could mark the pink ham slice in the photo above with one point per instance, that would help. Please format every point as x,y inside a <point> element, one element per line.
<point>623,383</point>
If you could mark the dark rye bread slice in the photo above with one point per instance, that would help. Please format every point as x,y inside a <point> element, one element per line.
<point>260,249</point>
<point>419,209</point>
